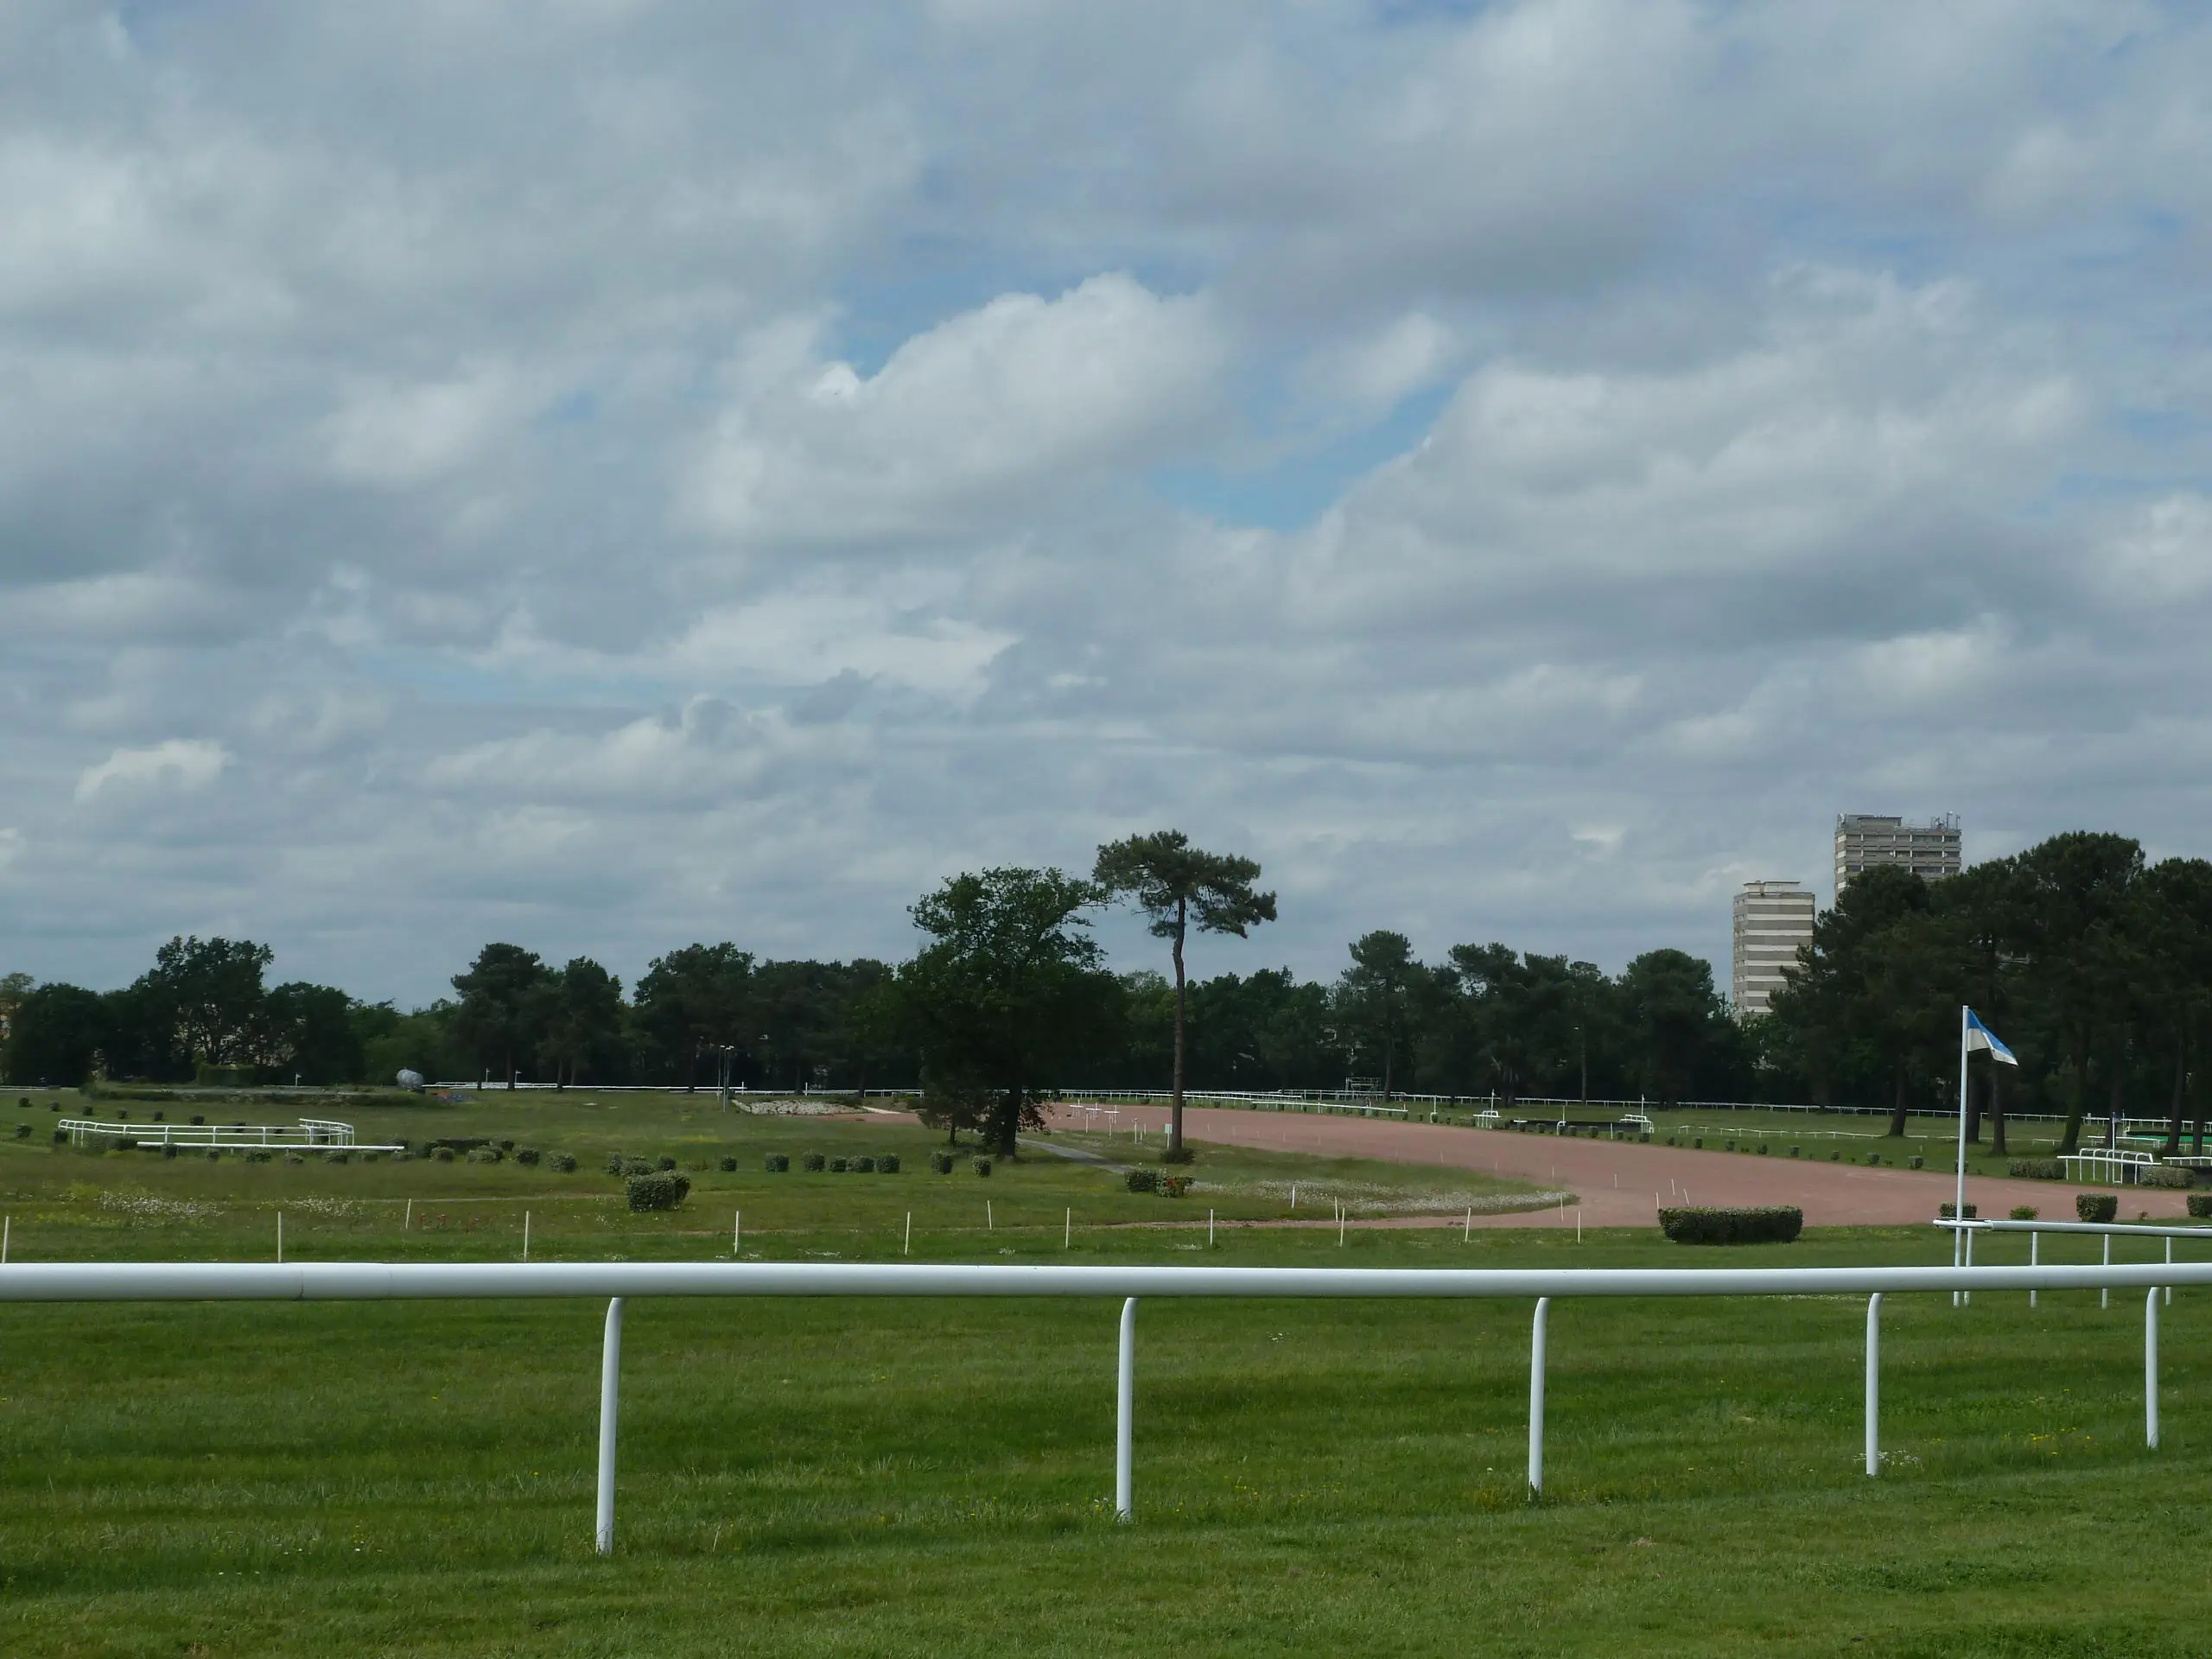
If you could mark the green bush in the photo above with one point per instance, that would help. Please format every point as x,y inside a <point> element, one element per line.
<point>1778,1225</point>
<point>294,1158</point>
<point>2035,1169</point>
<point>1698,1143</point>
<point>527,1156</point>
<point>780,1163</point>
<point>1144,1180</point>
<point>215,1155</point>
<point>1872,1159</point>
<point>506,1145</point>
<point>337,1158</point>
<point>1795,1151</point>
<point>444,1154</point>
<point>168,1147</point>
<point>630,1166</point>
<point>863,1165</point>
<point>2024,1213</point>
<point>613,1165</point>
<point>1835,1154</point>
<point>663,1164</point>
<point>2164,1175</point>
<point>662,1190</point>
<point>940,1163</point>
<point>2200,1205</point>
<point>727,1165</point>
<point>982,1165</point>
<point>258,1155</point>
<point>814,1161</point>
<point>1762,1148</point>
<point>2096,1206</point>
<point>1174,1186</point>
<point>562,1163</point>
<point>197,1118</point>
<point>1915,1161</point>
<point>889,1164</point>
<point>1946,1212</point>
<point>23,1131</point>
<point>839,1166</point>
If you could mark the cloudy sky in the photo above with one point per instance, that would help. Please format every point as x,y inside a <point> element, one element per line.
<point>603,473</point>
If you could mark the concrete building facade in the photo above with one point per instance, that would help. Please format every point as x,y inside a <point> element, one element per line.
<point>1772,919</point>
<point>1930,850</point>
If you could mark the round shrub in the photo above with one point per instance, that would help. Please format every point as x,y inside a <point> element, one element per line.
<point>2027,1212</point>
<point>1949,1212</point>
<point>562,1163</point>
<point>1915,1161</point>
<point>727,1165</point>
<point>506,1145</point>
<point>1835,1154</point>
<point>1796,1152</point>
<point>889,1164</point>
<point>940,1163</point>
<point>663,1164</point>
<point>2096,1206</point>
<point>159,1117</point>
<point>444,1154</point>
<point>863,1165</point>
<point>1762,1148</point>
<point>1874,1157</point>
<point>614,1161</point>
<point>839,1166</point>
<point>813,1161</point>
<point>2200,1205</point>
<point>169,1149</point>
<point>527,1156</point>
<point>215,1155</point>
<point>52,1105</point>
<point>1144,1180</point>
<point>197,1118</point>
<point>1698,1143</point>
<point>982,1165</point>
<point>23,1131</point>
<point>662,1190</point>
<point>2164,1175</point>
<point>1174,1186</point>
<point>294,1158</point>
<point>629,1166</point>
<point>779,1162</point>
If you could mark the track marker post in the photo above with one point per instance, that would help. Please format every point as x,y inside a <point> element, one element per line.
<point>1125,1397</point>
<point>907,1245</point>
<point>1874,1383</point>
<point>280,1237</point>
<point>2151,1368</point>
<point>610,1392</point>
<point>1536,1398</point>
<point>526,1235</point>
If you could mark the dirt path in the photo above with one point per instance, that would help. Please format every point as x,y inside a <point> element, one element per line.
<point>1621,1184</point>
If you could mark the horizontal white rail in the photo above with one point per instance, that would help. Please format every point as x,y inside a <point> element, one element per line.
<point>174,1282</point>
<point>2149,1229</point>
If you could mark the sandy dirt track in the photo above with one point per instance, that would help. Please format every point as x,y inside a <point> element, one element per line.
<point>1620,1184</point>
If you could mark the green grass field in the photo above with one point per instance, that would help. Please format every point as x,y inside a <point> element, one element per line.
<point>858,1477</point>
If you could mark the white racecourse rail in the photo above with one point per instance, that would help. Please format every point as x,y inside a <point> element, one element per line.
<point>180,1281</point>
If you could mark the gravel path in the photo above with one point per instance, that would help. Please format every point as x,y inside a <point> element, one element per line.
<point>1621,1184</point>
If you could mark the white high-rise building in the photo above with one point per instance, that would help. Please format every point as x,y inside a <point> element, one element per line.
<point>1772,919</point>
<point>1930,850</point>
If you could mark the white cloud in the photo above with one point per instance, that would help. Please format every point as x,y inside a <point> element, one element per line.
<point>402,436</point>
<point>181,763</point>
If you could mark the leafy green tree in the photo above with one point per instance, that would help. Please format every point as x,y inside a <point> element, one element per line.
<point>207,997</point>
<point>1009,993</point>
<point>2172,921</point>
<point>309,1032</point>
<point>502,1006</point>
<point>695,1001</point>
<point>1383,994</point>
<point>54,1033</point>
<point>580,1015</point>
<point>1675,1017</point>
<point>2077,959</point>
<point>1176,884</point>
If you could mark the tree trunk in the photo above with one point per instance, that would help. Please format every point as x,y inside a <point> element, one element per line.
<point>1996,1112</point>
<point>1898,1103</point>
<point>2172,1148</point>
<point>2070,1139</point>
<point>1009,1121</point>
<point>1175,1114</point>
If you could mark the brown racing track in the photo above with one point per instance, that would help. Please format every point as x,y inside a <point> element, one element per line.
<point>1621,1184</point>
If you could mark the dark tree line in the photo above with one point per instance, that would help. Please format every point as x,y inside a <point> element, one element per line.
<point>2096,968</point>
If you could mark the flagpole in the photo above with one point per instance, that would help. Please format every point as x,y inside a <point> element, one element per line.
<point>1958,1206</point>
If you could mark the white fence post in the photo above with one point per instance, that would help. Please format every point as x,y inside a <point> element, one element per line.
<point>610,1392</point>
<point>1125,1399</point>
<point>1536,1398</point>
<point>1874,1383</point>
<point>2035,1259</point>
<point>2169,1261</point>
<point>2104,1296</point>
<point>2151,1371</point>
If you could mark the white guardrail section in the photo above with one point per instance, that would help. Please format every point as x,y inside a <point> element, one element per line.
<point>313,1134</point>
<point>179,1281</point>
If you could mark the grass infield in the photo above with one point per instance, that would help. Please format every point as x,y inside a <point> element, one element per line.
<point>895,1478</point>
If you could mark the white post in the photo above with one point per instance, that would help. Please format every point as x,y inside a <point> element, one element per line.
<point>1536,1399</point>
<point>7,1226</point>
<point>1467,1232</point>
<point>906,1244</point>
<point>2150,1370</point>
<point>2169,1261</point>
<point>1874,1383</point>
<point>526,1235</point>
<point>1067,1229</point>
<point>989,1225</point>
<point>1208,1229</point>
<point>1125,1398</point>
<point>2104,1296</point>
<point>2035,1255</point>
<point>1340,1224</point>
<point>280,1236</point>
<point>1968,1295</point>
<point>610,1391</point>
<point>1959,1203</point>
<point>736,1233</point>
<point>408,1226</point>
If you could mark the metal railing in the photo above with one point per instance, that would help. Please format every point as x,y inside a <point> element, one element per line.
<point>2119,1167</point>
<point>313,1134</point>
<point>618,1281</point>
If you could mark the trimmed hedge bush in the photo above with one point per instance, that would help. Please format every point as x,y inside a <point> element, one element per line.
<point>1174,1186</point>
<point>662,1190</point>
<point>2200,1205</point>
<point>663,1164</point>
<point>2096,1206</point>
<point>1917,1162</point>
<point>23,1131</point>
<point>780,1163</point>
<point>2164,1175</point>
<point>862,1166</point>
<point>1144,1180</point>
<point>2035,1169</point>
<point>982,1165</point>
<point>813,1161</point>
<point>727,1165</point>
<point>1946,1213</point>
<point>940,1163</point>
<point>445,1154</point>
<point>2024,1213</point>
<point>527,1156</point>
<point>1776,1224</point>
<point>839,1166</point>
<point>889,1164</point>
<point>562,1163</point>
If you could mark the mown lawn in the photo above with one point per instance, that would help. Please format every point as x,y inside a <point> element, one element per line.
<point>898,1477</point>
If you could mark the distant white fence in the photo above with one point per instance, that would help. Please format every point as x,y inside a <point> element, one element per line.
<point>2121,1168</point>
<point>312,1134</point>
<point>618,1281</point>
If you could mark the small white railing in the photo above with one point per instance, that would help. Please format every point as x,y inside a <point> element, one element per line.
<point>383,1282</point>
<point>2121,1168</point>
<point>316,1134</point>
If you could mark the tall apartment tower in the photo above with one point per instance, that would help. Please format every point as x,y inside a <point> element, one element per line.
<point>1772,919</point>
<point>1930,850</point>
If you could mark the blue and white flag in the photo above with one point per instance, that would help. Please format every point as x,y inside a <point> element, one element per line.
<point>1980,1036</point>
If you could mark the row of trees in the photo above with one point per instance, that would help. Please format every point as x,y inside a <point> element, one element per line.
<point>2095,966</point>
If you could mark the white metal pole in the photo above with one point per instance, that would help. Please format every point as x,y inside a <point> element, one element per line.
<point>1067,1229</point>
<point>7,1226</point>
<point>280,1236</point>
<point>736,1233</point>
<point>1874,1383</point>
<point>1959,1203</point>
<point>1467,1233</point>
<point>2035,1259</point>
<point>610,1391</point>
<point>1536,1399</point>
<point>2169,1261</point>
<point>526,1235</point>
<point>1208,1229</point>
<point>989,1225</point>
<point>1968,1295</point>
<point>1125,1399</point>
<point>408,1226</point>
<point>2150,1370</point>
<point>2104,1296</point>
<point>906,1244</point>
